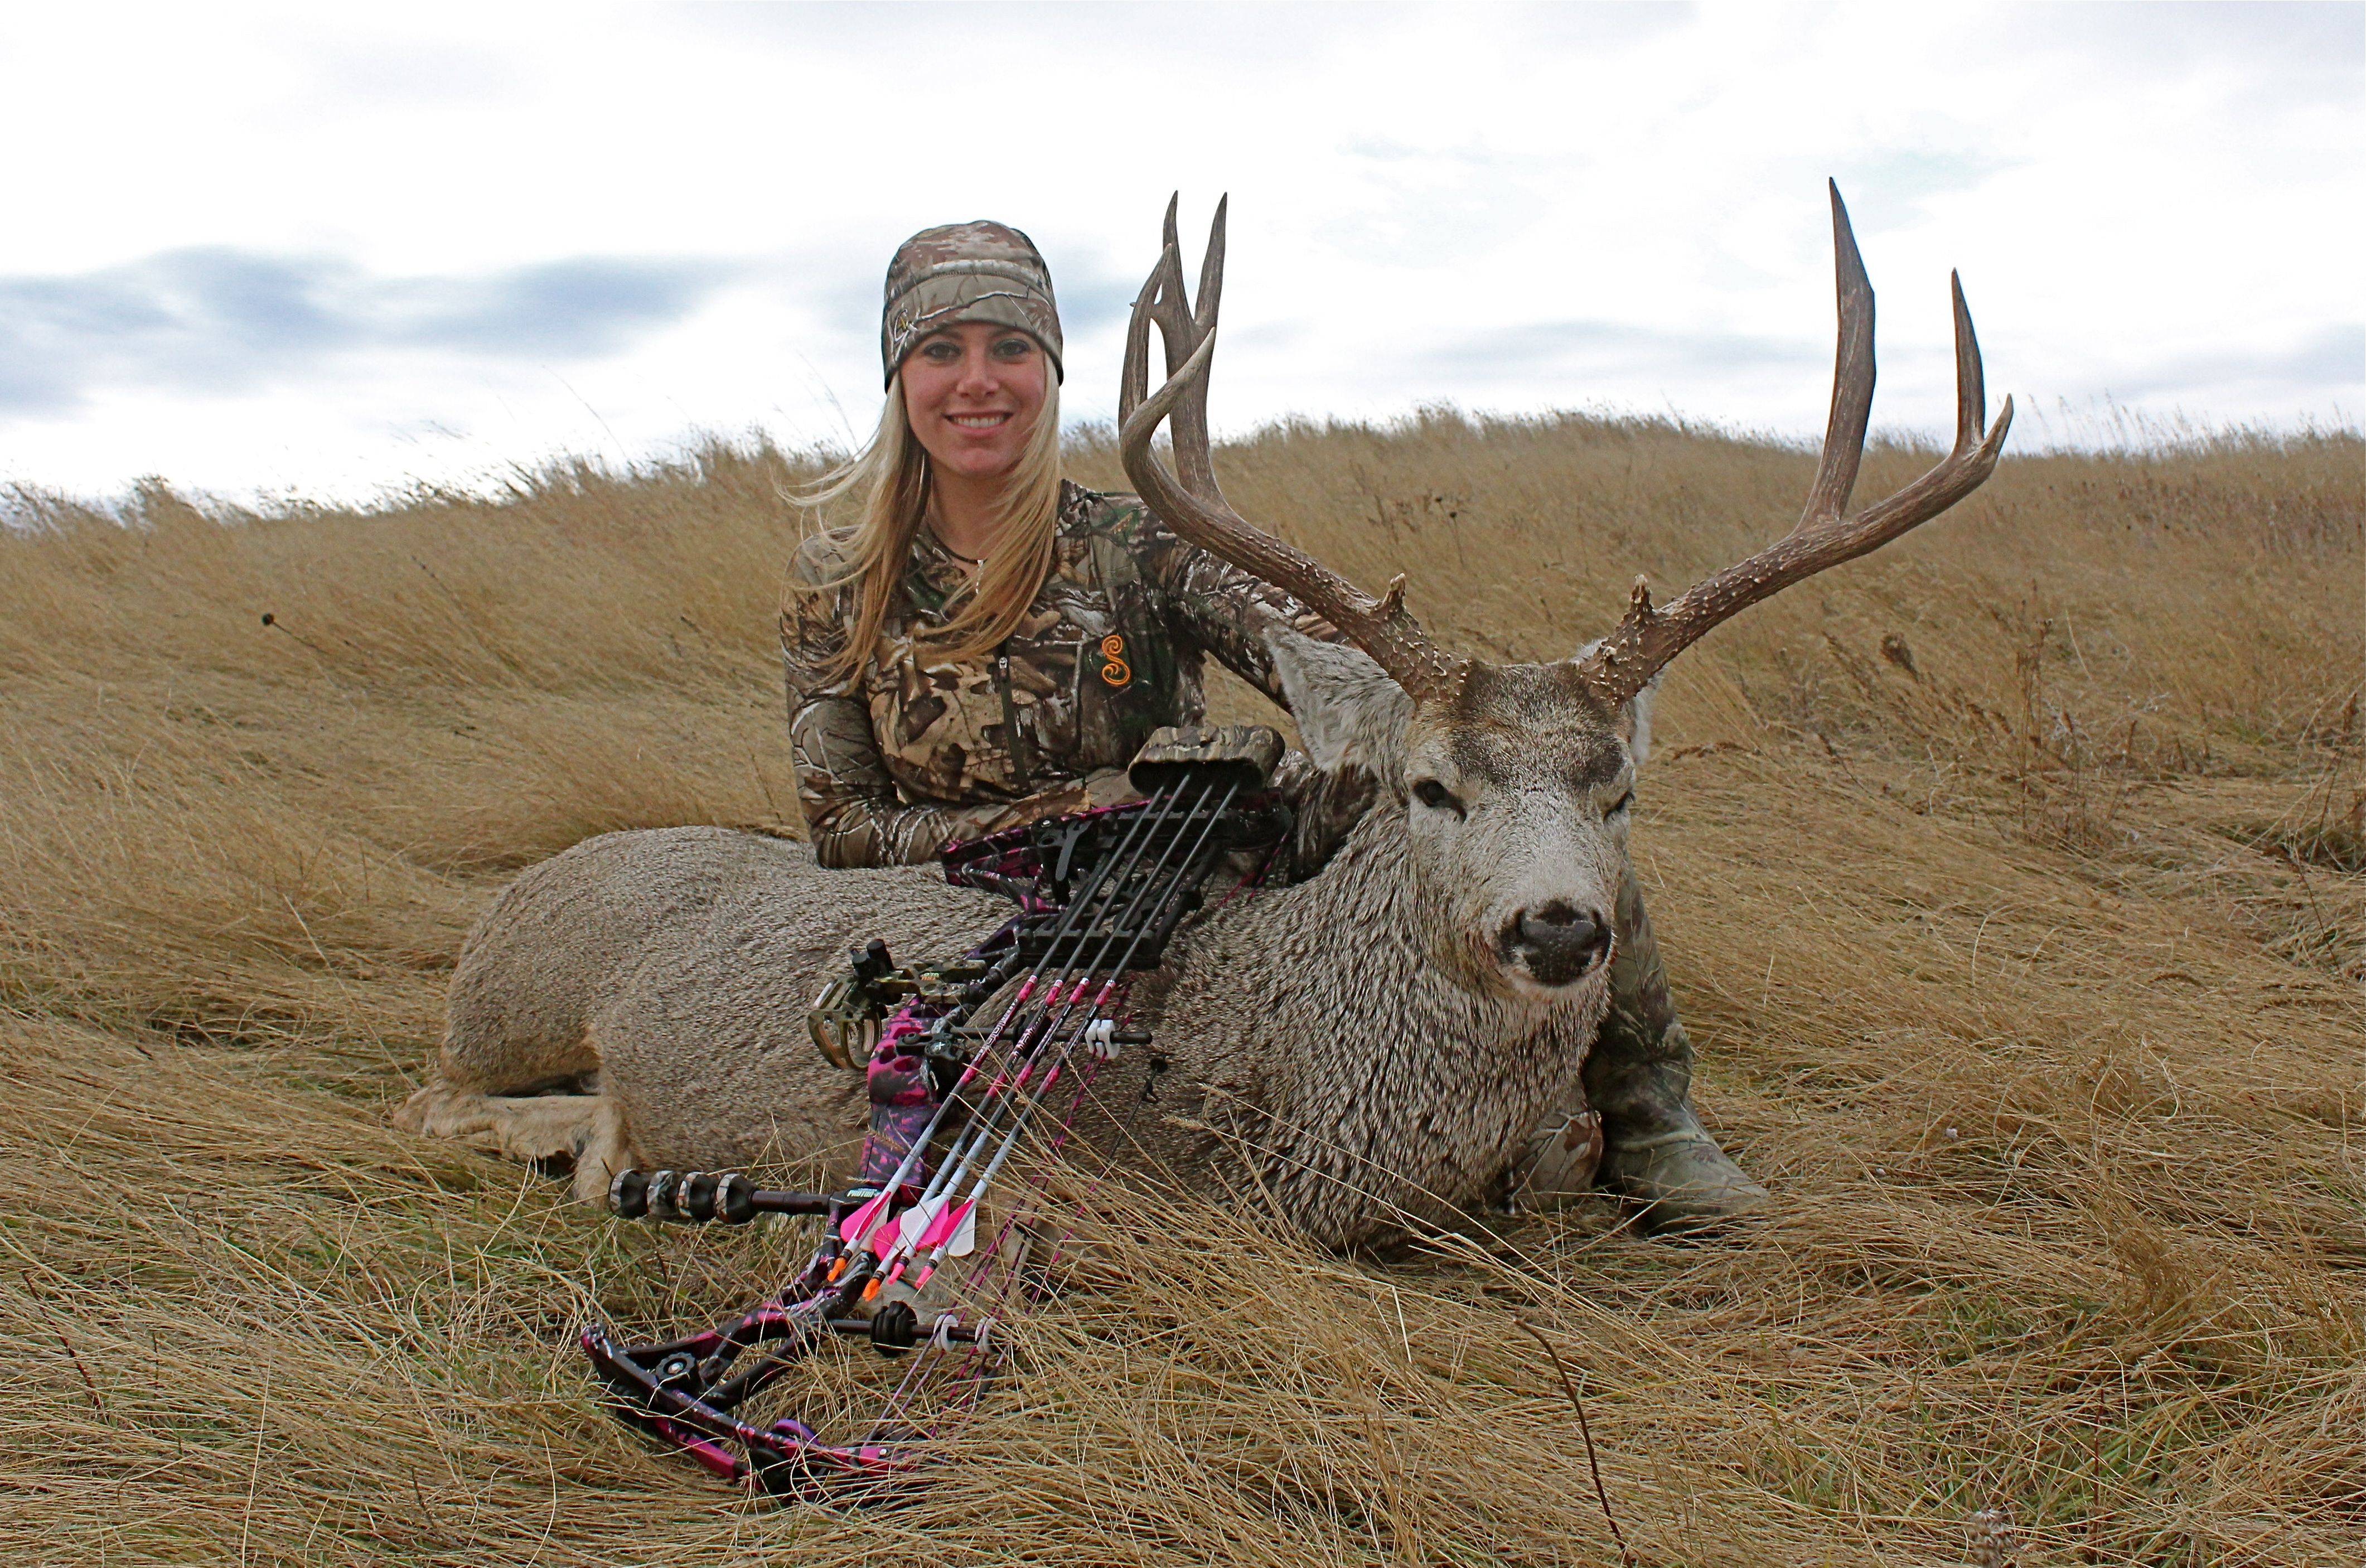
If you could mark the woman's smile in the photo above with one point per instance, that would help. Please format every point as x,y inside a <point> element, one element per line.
<point>972,394</point>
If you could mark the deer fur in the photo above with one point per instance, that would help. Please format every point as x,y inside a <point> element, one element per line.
<point>1361,1051</point>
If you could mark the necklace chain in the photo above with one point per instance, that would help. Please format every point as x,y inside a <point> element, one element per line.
<point>930,518</point>
<point>966,560</point>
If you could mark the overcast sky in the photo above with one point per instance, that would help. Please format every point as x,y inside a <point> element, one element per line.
<point>326,251</point>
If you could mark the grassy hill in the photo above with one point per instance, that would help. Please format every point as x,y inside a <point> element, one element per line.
<point>2013,882</point>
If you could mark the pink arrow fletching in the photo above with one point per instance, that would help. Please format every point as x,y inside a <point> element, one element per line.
<point>853,1227</point>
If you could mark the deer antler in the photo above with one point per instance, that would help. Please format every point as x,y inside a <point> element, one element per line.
<point>1648,637</point>
<point>1193,505</point>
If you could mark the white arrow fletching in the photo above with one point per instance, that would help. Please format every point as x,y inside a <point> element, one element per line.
<point>964,1241</point>
<point>917,1220</point>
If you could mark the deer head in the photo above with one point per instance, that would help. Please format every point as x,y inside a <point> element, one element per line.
<point>1513,780</point>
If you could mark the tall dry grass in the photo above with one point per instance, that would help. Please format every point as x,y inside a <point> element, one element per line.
<point>2014,883</point>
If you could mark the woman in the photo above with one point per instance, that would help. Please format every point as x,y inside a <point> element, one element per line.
<point>991,644</point>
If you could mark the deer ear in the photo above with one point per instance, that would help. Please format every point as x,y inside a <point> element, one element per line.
<point>1350,712</point>
<point>1638,711</point>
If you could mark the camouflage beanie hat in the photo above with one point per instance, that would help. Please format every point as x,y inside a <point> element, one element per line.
<point>967,272</point>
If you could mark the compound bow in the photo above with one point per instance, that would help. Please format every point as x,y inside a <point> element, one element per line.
<point>1100,894</point>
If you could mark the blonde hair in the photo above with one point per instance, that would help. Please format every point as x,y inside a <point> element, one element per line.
<point>889,478</point>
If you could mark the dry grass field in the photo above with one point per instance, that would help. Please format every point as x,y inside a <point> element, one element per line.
<point>2013,882</point>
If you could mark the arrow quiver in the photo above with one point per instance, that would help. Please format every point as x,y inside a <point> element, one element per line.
<point>967,1059</point>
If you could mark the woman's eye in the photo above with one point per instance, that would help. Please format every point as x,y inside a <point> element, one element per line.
<point>1013,348</point>
<point>941,352</point>
<point>1621,803</point>
<point>1436,797</point>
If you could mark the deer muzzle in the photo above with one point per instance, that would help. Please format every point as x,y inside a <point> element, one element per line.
<point>1557,943</point>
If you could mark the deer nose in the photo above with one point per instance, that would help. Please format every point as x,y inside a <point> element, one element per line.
<point>1559,941</point>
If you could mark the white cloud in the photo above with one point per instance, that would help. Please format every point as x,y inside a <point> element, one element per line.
<point>470,238</point>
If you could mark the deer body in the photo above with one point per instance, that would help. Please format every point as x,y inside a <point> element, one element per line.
<point>1341,1046</point>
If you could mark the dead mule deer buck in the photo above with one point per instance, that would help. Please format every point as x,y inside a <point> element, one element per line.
<point>1366,1049</point>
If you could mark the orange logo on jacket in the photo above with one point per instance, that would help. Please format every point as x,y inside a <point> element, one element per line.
<point>1114,669</point>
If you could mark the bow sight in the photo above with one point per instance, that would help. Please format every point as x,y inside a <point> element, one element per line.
<point>1100,895</point>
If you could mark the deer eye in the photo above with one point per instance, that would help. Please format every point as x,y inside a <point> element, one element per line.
<point>1436,797</point>
<point>1621,803</point>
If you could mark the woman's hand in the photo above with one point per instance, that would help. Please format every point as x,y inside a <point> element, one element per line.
<point>1108,787</point>
<point>1111,786</point>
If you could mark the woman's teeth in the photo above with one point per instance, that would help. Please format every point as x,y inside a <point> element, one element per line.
<point>977,421</point>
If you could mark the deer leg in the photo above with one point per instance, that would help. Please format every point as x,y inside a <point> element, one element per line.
<point>1639,1076</point>
<point>605,1148</point>
<point>545,1130</point>
<point>530,1113</point>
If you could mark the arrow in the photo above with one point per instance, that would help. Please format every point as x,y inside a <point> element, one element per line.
<point>1044,1090</point>
<point>855,1223</point>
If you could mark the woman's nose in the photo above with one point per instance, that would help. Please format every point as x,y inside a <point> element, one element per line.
<point>977,374</point>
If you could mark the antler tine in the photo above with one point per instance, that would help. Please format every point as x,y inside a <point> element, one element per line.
<point>1971,381</point>
<point>1133,381</point>
<point>1647,638</point>
<point>1183,331</point>
<point>1165,301</point>
<point>1851,378</point>
<point>1154,303</point>
<point>1193,505</point>
<point>1211,268</point>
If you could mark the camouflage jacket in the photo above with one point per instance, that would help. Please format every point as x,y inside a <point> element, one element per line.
<point>913,750</point>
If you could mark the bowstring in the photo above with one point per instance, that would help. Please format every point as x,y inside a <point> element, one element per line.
<point>1141,930</point>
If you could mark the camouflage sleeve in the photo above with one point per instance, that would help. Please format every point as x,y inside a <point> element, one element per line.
<point>1218,607</point>
<point>853,815</point>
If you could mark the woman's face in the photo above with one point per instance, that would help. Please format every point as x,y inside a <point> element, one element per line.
<point>971,394</point>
